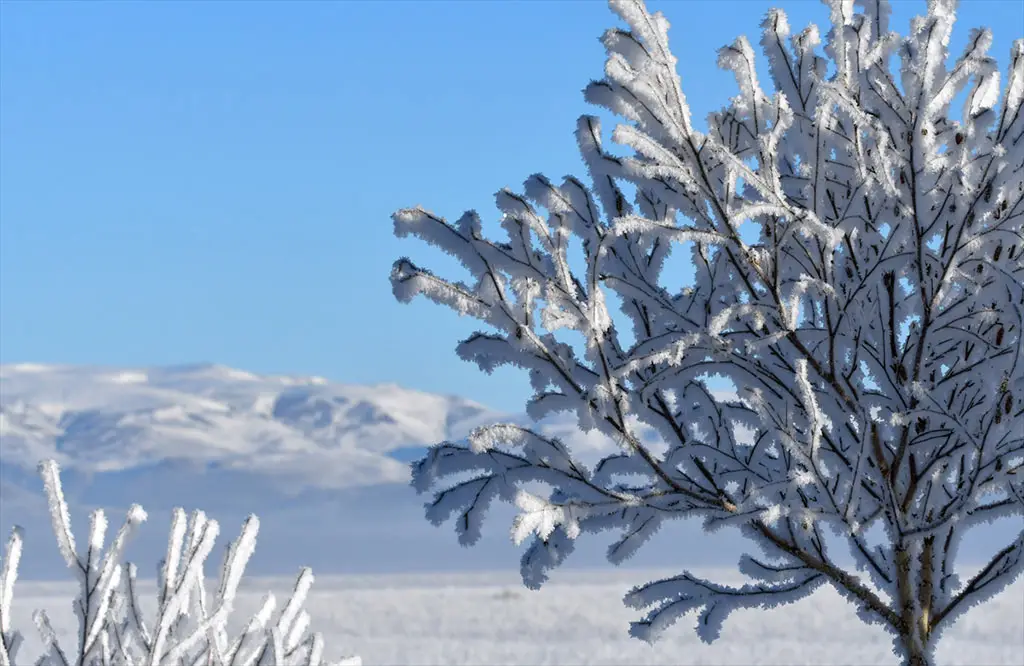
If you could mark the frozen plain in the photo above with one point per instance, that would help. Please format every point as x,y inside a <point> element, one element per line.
<point>577,618</point>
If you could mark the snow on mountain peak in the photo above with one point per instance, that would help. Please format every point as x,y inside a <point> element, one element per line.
<point>128,378</point>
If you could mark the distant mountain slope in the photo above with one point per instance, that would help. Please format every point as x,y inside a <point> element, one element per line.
<point>300,431</point>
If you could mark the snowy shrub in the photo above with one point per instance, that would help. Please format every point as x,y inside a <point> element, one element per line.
<point>189,628</point>
<point>858,258</point>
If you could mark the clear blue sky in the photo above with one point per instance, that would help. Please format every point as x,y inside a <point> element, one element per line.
<point>212,181</point>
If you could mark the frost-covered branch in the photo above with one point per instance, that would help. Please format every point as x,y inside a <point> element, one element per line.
<point>676,596</point>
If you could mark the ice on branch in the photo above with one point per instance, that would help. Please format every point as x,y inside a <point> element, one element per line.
<point>188,628</point>
<point>872,327</point>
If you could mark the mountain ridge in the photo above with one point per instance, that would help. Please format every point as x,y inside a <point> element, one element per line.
<point>100,419</point>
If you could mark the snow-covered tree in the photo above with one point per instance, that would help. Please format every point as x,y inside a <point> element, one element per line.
<point>859,260</point>
<point>190,625</point>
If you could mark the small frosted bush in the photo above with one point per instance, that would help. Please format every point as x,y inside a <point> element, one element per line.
<point>189,627</point>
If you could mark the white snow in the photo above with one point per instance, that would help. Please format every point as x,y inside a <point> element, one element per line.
<point>578,618</point>
<point>128,378</point>
<point>26,368</point>
<point>263,405</point>
<point>241,375</point>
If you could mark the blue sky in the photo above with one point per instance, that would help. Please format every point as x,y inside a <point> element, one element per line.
<point>212,181</point>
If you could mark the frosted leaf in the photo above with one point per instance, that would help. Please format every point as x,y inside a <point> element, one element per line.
<point>541,517</point>
<point>803,478</point>
<point>771,514</point>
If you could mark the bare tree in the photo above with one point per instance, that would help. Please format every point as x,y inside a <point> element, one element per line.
<point>190,626</point>
<point>873,330</point>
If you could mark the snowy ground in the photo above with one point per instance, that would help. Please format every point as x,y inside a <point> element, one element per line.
<point>578,618</point>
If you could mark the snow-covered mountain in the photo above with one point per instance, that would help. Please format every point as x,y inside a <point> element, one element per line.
<point>298,432</point>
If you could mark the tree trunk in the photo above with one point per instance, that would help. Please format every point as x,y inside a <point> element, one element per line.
<point>914,634</point>
<point>916,650</point>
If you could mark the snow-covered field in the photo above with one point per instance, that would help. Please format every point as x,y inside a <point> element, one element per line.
<point>578,618</point>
